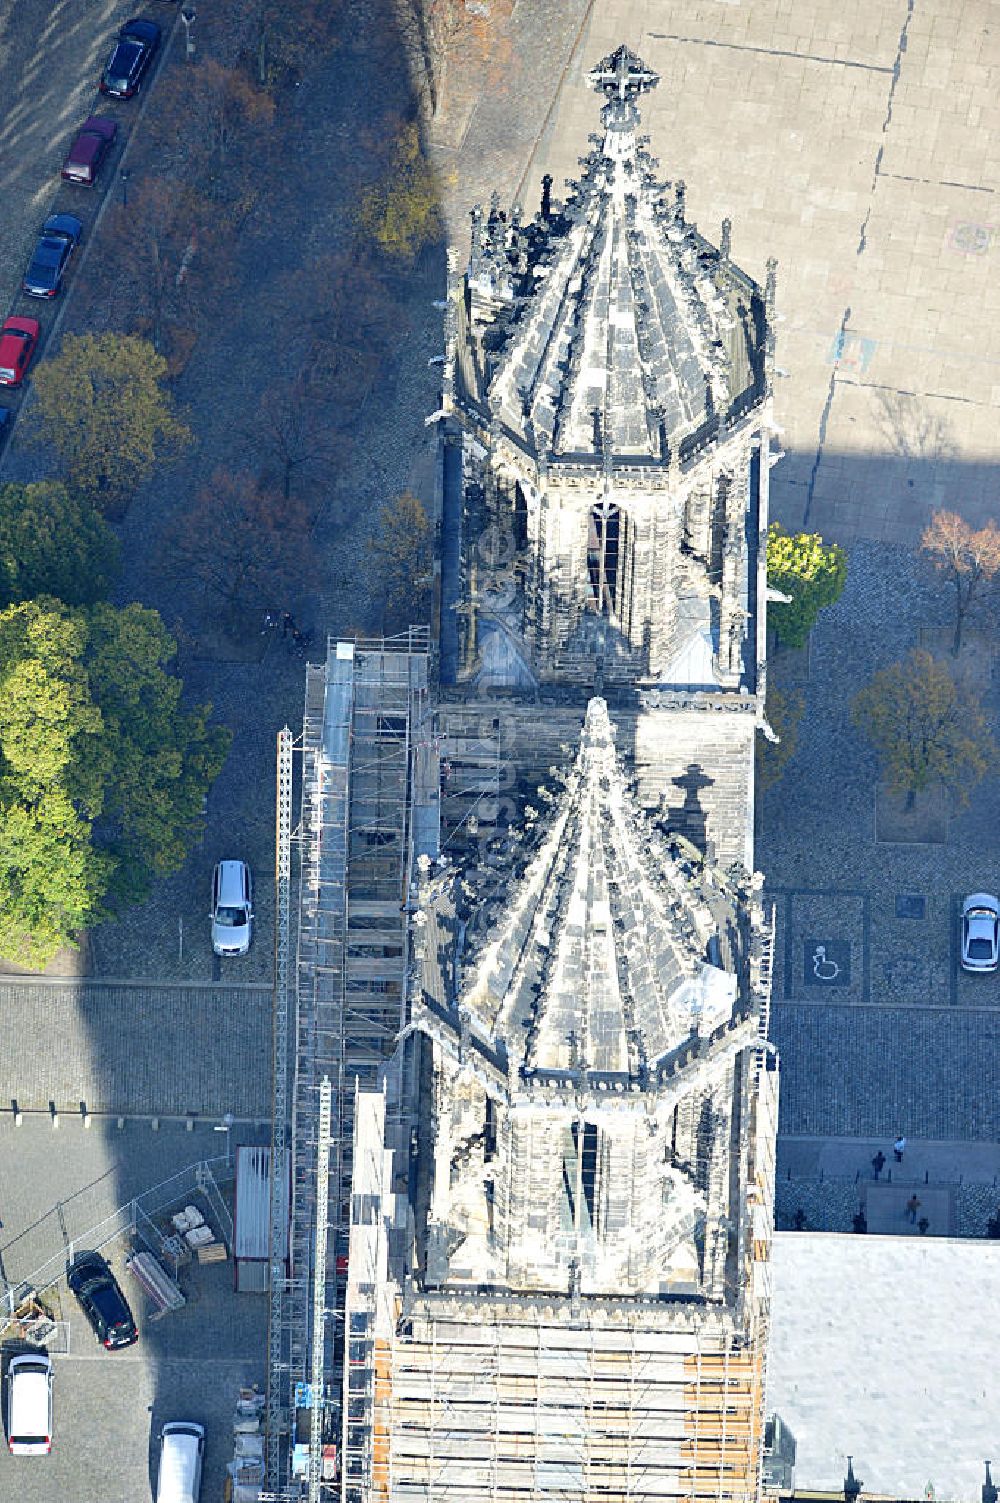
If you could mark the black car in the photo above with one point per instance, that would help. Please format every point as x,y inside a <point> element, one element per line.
<point>137,41</point>
<point>59,239</point>
<point>102,1301</point>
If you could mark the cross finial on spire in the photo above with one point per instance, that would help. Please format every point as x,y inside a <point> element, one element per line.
<point>621,75</point>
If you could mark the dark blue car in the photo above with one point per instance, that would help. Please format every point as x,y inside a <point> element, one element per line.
<point>134,49</point>
<point>59,239</point>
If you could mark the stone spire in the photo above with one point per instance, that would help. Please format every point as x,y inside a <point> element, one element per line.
<point>623,309</point>
<point>596,977</point>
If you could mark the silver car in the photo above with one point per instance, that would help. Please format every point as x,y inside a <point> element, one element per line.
<point>980,932</point>
<point>232,908</point>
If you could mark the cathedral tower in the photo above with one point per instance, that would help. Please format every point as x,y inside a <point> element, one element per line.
<point>606,391</point>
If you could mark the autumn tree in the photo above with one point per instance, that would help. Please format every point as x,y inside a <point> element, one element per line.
<point>967,558</point>
<point>401,211</point>
<point>162,252</point>
<point>926,726</point>
<point>102,773</point>
<point>245,544</point>
<point>53,542</point>
<point>203,114</point>
<point>160,758</point>
<point>102,407</point>
<point>475,30</point>
<point>812,574</point>
<point>784,709</point>
<point>402,555</point>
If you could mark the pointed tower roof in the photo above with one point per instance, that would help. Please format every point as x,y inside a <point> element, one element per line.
<point>617,330</point>
<point>596,973</point>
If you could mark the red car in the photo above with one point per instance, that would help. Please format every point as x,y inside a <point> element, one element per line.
<point>18,339</point>
<point>93,142</point>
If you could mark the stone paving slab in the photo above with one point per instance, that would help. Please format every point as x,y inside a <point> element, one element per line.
<point>136,1048</point>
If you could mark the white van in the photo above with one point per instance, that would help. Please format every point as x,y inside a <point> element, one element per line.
<point>182,1447</point>
<point>29,1404</point>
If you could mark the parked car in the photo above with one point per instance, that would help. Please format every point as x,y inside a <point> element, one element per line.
<point>182,1449</point>
<point>29,1404</point>
<point>59,239</point>
<point>102,1301</point>
<point>126,67</point>
<point>980,932</point>
<point>93,141</point>
<point>232,908</point>
<point>18,340</point>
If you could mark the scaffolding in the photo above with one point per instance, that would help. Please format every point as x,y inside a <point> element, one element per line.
<point>277,1329</point>
<point>363,791</point>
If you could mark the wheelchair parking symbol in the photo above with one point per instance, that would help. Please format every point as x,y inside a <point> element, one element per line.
<point>826,962</point>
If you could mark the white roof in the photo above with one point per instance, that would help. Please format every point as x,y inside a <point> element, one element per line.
<point>886,1348</point>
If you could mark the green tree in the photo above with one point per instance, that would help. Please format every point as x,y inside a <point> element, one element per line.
<point>926,726</point>
<point>104,410</point>
<point>784,711</point>
<point>967,558</point>
<point>161,758</point>
<point>402,554</point>
<point>53,542</point>
<point>102,773</point>
<point>402,212</point>
<point>52,878</point>
<point>810,573</point>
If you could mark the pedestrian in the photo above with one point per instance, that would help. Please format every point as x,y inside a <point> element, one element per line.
<point>860,1220</point>
<point>912,1207</point>
<point>799,1223</point>
<point>898,1148</point>
<point>287,623</point>
<point>878,1164</point>
<point>922,1226</point>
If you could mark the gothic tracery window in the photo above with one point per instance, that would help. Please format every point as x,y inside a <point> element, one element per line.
<point>606,546</point>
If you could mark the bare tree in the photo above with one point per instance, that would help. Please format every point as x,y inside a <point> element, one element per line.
<point>289,433</point>
<point>966,557</point>
<point>242,544</point>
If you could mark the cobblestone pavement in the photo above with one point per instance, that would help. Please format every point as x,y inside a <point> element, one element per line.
<point>827,1180</point>
<point>879,1029</point>
<point>137,1048</point>
<point>110,1407</point>
<point>875,1071</point>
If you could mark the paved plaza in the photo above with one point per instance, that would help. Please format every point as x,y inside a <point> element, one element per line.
<point>136,1048</point>
<point>56,1188</point>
